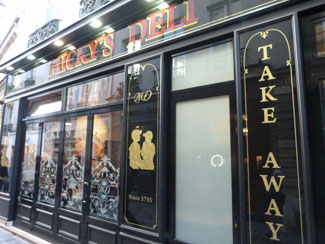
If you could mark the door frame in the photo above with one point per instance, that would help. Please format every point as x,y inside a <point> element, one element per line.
<point>191,94</point>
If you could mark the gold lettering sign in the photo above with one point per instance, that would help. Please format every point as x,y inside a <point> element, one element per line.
<point>270,125</point>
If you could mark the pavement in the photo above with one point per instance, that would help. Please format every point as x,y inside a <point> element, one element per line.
<point>7,237</point>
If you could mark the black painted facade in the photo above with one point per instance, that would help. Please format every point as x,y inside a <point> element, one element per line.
<point>197,122</point>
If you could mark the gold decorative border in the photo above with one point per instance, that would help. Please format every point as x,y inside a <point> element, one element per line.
<point>157,145</point>
<point>264,35</point>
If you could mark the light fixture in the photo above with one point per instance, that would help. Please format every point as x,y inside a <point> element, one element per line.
<point>163,5</point>
<point>10,68</point>
<point>109,29</point>
<point>58,43</point>
<point>71,47</point>
<point>96,23</point>
<point>43,61</point>
<point>21,71</point>
<point>31,57</point>
<point>149,1</point>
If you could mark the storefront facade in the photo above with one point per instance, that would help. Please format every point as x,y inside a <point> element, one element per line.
<point>172,122</point>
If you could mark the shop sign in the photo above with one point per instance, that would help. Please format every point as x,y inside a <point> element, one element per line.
<point>175,20</point>
<point>270,129</point>
<point>142,145</point>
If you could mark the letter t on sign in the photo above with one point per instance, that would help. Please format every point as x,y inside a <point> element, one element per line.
<point>265,51</point>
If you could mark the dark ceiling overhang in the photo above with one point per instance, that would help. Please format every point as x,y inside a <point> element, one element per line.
<point>116,14</point>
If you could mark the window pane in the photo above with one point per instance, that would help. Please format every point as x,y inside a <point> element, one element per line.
<point>203,171</point>
<point>45,104</point>
<point>204,67</point>
<point>8,144</point>
<point>104,90</point>
<point>29,162</point>
<point>49,160</point>
<point>74,163</point>
<point>106,159</point>
<point>313,34</point>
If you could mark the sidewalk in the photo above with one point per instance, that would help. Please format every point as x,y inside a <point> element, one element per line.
<point>7,237</point>
<point>11,235</point>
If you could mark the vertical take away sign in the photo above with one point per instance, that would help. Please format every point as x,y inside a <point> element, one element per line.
<point>270,130</point>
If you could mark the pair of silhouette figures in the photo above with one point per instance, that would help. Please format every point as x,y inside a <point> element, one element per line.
<point>142,158</point>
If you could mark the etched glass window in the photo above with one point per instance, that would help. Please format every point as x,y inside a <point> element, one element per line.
<point>73,163</point>
<point>104,90</point>
<point>29,161</point>
<point>106,158</point>
<point>8,144</point>
<point>49,160</point>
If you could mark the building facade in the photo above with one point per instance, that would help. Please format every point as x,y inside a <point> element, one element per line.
<point>196,121</point>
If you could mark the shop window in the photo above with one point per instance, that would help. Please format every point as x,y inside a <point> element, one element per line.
<point>320,38</point>
<point>313,39</point>
<point>8,144</point>
<point>106,159</point>
<point>74,163</point>
<point>101,91</point>
<point>203,67</point>
<point>29,161</point>
<point>49,103</point>
<point>49,161</point>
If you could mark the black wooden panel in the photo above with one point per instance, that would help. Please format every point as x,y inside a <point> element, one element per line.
<point>69,227</point>
<point>44,219</point>
<point>129,239</point>
<point>97,235</point>
<point>4,203</point>
<point>24,211</point>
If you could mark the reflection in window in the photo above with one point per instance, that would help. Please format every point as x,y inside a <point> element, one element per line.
<point>101,91</point>
<point>8,144</point>
<point>106,158</point>
<point>320,39</point>
<point>74,163</point>
<point>49,160</point>
<point>203,67</point>
<point>29,161</point>
<point>45,104</point>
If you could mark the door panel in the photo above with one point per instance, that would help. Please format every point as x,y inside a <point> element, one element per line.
<point>74,163</point>
<point>28,165</point>
<point>203,171</point>
<point>105,171</point>
<point>49,161</point>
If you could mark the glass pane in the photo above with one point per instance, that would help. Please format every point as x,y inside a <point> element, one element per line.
<point>106,160</point>
<point>49,160</point>
<point>45,104</point>
<point>203,171</point>
<point>8,144</point>
<point>104,90</point>
<point>216,64</point>
<point>313,34</point>
<point>74,163</point>
<point>29,162</point>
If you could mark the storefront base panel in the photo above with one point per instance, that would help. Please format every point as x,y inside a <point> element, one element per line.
<point>4,203</point>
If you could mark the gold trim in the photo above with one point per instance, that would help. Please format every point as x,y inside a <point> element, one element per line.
<point>143,67</point>
<point>264,35</point>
